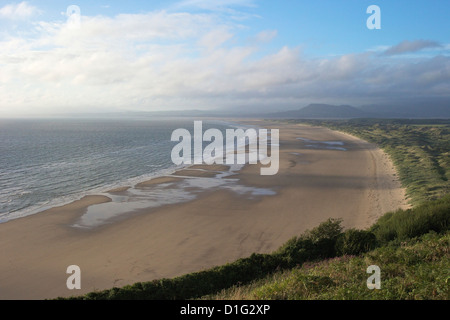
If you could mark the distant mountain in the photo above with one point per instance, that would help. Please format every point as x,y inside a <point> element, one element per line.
<point>422,110</point>
<point>409,109</point>
<point>323,111</point>
<point>416,109</point>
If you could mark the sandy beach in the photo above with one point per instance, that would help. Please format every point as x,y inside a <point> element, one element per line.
<point>345,178</point>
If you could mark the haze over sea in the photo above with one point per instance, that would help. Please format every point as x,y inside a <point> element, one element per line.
<point>50,162</point>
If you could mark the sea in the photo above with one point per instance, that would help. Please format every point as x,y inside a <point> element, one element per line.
<point>46,163</point>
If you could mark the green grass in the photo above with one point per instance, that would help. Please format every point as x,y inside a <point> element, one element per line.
<point>412,270</point>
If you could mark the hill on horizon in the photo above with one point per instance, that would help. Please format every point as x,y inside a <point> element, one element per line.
<point>324,111</point>
<point>327,111</point>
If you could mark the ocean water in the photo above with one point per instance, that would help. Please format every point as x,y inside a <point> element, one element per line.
<point>50,162</point>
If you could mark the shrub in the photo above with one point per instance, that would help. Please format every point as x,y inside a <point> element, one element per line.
<point>355,242</point>
<point>316,243</point>
<point>328,230</point>
<point>406,224</point>
<point>295,251</point>
<point>324,238</point>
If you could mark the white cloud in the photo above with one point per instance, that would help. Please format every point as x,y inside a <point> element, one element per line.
<point>18,11</point>
<point>215,38</point>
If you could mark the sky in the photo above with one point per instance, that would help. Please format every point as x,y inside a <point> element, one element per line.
<point>79,56</point>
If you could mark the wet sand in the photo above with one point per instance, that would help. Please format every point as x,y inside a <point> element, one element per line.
<point>315,181</point>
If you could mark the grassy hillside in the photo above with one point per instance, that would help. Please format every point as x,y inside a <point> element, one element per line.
<point>414,269</point>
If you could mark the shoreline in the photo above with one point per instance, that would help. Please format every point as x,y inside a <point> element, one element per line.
<point>216,227</point>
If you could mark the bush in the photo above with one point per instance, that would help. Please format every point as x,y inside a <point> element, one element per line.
<point>295,251</point>
<point>355,242</point>
<point>406,224</point>
<point>328,230</point>
<point>317,243</point>
<point>324,238</point>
